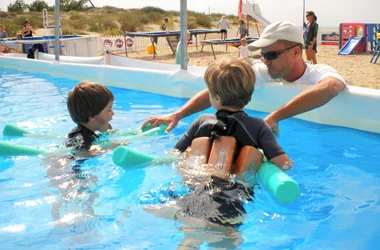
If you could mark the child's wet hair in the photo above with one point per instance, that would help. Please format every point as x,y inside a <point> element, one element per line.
<point>87,100</point>
<point>233,80</point>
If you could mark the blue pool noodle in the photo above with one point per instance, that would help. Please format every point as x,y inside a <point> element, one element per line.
<point>278,183</point>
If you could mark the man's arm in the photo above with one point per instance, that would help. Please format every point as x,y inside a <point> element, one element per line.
<point>199,102</point>
<point>309,99</point>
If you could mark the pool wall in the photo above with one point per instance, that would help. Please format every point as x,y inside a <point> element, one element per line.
<point>356,107</point>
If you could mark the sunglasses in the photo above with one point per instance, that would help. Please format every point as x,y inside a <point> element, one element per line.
<point>272,55</point>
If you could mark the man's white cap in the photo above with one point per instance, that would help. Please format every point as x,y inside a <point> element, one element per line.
<point>278,31</point>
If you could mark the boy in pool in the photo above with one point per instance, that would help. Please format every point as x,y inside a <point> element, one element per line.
<point>90,107</point>
<point>220,202</point>
<point>231,84</point>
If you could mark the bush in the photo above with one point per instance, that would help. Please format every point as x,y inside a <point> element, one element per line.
<point>11,28</point>
<point>74,15</point>
<point>155,16</point>
<point>130,21</point>
<point>112,32</point>
<point>100,25</point>
<point>148,9</point>
<point>192,25</point>
<point>68,30</point>
<point>68,5</point>
<point>76,23</point>
<point>18,6</point>
<point>20,20</point>
<point>38,6</point>
<point>36,21</point>
<point>203,20</point>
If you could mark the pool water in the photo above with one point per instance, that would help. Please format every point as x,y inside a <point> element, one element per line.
<point>101,206</point>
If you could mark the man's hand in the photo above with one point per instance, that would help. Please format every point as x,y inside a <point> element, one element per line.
<point>273,124</point>
<point>171,120</point>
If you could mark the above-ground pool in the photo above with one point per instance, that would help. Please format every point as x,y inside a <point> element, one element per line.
<point>100,206</point>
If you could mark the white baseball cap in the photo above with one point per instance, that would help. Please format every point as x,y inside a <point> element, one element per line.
<point>283,30</point>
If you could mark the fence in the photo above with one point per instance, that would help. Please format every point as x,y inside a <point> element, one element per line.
<point>117,43</point>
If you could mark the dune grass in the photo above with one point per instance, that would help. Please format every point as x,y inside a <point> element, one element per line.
<point>109,20</point>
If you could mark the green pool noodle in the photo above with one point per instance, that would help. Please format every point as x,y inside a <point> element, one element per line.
<point>278,183</point>
<point>11,129</point>
<point>157,130</point>
<point>127,157</point>
<point>12,149</point>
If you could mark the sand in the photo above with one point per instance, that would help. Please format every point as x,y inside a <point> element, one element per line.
<point>356,69</point>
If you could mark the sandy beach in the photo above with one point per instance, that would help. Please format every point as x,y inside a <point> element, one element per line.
<point>356,69</point>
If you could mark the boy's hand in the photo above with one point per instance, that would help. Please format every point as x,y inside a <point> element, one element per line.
<point>109,126</point>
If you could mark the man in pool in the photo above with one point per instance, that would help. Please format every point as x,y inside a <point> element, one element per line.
<point>281,53</point>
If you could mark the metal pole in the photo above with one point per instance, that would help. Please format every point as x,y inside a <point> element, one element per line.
<point>57,24</point>
<point>303,14</point>
<point>183,32</point>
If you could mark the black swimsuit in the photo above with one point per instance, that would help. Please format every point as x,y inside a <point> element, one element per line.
<point>28,33</point>
<point>220,202</point>
<point>81,138</point>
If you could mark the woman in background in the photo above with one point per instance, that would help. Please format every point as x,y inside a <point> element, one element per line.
<point>310,37</point>
<point>27,30</point>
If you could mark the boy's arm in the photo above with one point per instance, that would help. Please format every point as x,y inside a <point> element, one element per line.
<point>282,161</point>
<point>188,137</point>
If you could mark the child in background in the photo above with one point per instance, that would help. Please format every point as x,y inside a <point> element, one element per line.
<point>90,107</point>
<point>167,25</point>
<point>242,29</point>
<point>243,49</point>
<point>223,25</point>
<point>3,33</point>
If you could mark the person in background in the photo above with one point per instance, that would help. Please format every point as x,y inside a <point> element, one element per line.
<point>223,25</point>
<point>27,30</point>
<point>242,29</point>
<point>243,49</point>
<point>3,33</point>
<point>310,37</point>
<point>167,25</point>
<point>18,38</point>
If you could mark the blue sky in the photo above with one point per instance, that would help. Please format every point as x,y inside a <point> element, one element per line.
<point>329,12</point>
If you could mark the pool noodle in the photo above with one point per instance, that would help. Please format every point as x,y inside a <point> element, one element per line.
<point>278,183</point>
<point>12,149</point>
<point>11,129</point>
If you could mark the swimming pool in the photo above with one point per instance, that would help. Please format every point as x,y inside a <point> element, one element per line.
<point>101,207</point>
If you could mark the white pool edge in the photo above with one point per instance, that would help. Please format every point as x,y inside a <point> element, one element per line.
<point>357,108</point>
